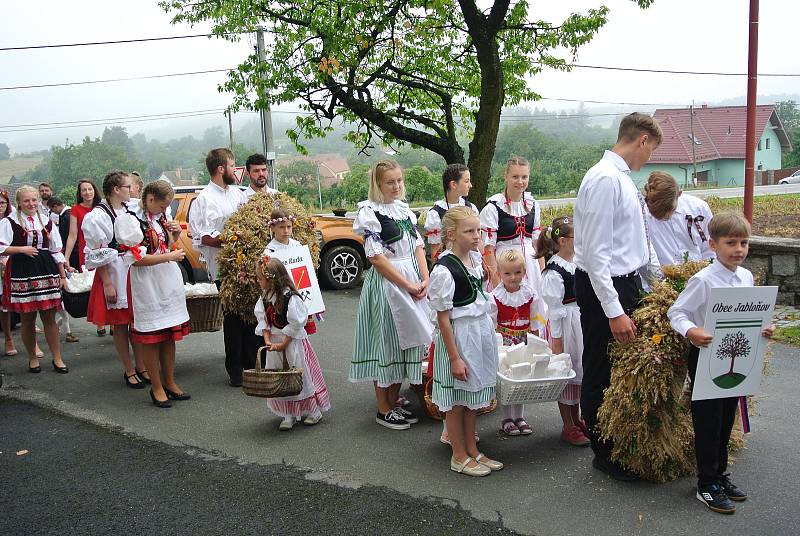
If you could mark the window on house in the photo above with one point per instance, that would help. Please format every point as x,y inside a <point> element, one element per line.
<point>766,144</point>
<point>759,145</point>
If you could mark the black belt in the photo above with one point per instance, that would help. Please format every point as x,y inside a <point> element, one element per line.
<point>634,273</point>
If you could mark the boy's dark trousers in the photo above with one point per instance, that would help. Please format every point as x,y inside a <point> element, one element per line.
<point>241,343</point>
<point>596,338</point>
<point>712,421</point>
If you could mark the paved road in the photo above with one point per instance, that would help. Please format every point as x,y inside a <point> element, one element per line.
<point>548,488</point>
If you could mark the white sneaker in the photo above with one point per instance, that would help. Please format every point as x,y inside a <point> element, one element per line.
<point>313,419</point>
<point>286,424</point>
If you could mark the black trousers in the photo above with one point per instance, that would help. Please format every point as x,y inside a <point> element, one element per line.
<point>596,338</point>
<point>241,344</point>
<point>712,421</point>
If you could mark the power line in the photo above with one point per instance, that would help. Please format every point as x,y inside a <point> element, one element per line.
<point>85,82</point>
<point>122,41</point>
<point>522,118</point>
<point>612,102</point>
<point>666,71</point>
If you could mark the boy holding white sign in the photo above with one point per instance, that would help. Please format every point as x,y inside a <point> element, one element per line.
<point>713,419</point>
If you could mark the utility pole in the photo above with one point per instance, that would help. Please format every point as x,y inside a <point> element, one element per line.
<point>267,141</point>
<point>230,127</point>
<point>691,127</point>
<point>750,130</point>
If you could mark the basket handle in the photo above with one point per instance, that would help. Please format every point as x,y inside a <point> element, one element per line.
<point>258,359</point>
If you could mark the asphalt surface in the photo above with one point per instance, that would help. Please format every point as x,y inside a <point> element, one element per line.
<point>547,488</point>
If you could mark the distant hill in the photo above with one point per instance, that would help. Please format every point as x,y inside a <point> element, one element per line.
<point>16,167</point>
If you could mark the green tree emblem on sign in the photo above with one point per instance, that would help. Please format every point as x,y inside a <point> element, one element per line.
<point>733,346</point>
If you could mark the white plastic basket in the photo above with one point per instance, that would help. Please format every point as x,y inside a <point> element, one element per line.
<point>530,391</point>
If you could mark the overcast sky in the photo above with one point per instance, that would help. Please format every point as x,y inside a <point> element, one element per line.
<point>706,35</point>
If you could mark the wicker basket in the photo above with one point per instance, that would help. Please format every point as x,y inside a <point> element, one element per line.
<point>432,410</point>
<point>76,303</point>
<point>530,391</point>
<point>270,383</point>
<point>205,313</point>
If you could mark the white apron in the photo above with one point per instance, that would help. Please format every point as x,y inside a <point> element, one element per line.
<point>411,317</point>
<point>475,341</point>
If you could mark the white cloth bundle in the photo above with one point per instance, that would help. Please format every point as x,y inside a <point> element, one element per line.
<point>200,289</point>
<point>80,281</point>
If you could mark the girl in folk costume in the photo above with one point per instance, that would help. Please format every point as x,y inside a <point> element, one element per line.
<point>108,299</point>
<point>392,325</point>
<point>158,299</point>
<point>5,316</point>
<point>34,274</point>
<point>677,222</point>
<point>465,355</point>
<point>280,225</point>
<point>282,315</point>
<point>514,298</point>
<point>457,183</point>
<point>558,290</point>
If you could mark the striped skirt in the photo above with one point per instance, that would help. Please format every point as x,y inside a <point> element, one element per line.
<point>444,393</point>
<point>319,401</point>
<point>377,355</point>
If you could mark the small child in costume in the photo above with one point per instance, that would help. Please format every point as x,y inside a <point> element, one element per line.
<point>555,244</point>
<point>282,317</point>
<point>465,351</point>
<point>513,298</point>
<point>713,419</point>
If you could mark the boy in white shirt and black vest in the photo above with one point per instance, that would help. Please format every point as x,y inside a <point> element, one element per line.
<point>612,252</point>
<point>713,419</point>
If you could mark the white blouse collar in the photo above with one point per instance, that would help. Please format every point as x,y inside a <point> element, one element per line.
<point>500,198</point>
<point>513,299</point>
<point>568,266</point>
<point>397,210</point>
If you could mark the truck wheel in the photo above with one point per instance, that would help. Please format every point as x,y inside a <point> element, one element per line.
<point>341,267</point>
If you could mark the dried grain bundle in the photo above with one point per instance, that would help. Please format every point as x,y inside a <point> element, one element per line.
<point>643,412</point>
<point>245,236</point>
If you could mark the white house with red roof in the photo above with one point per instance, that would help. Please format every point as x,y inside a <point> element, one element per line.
<point>713,141</point>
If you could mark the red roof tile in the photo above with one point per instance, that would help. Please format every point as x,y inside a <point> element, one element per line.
<point>719,132</point>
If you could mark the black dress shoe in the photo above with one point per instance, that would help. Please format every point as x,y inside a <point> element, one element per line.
<point>614,470</point>
<point>35,370</point>
<point>60,370</point>
<point>235,382</point>
<point>137,385</point>
<point>160,403</point>
<point>142,379</point>
<point>177,396</point>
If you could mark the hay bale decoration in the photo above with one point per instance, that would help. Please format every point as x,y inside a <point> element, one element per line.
<point>245,236</point>
<point>645,411</point>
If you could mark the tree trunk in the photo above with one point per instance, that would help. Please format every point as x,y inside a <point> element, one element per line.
<point>733,360</point>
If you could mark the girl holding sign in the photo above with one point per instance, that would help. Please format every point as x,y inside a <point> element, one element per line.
<point>392,325</point>
<point>282,315</point>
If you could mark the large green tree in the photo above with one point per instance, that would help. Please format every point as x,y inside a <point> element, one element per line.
<point>403,71</point>
<point>92,158</point>
<point>790,117</point>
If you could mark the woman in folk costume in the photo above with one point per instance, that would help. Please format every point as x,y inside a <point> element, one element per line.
<point>677,222</point>
<point>108,299</point>
<point>160,317</point>
<point>392,325</point>
<point>456,183</point>
<point>282,317</point>
<point>558,290</point>
<point>34,274</point>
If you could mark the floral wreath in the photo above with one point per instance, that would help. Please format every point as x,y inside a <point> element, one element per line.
<point>263,267</point>
<point>273,221</point>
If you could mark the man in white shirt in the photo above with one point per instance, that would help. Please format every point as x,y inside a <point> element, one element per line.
<point>207,216</point>
<point>611,247</point>
<point>45,192</point>
<point>257,170</point>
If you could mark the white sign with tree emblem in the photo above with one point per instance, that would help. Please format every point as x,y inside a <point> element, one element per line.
<point>731,365</point>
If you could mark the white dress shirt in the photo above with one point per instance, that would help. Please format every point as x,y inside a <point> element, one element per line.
<point>677,236</point>
<point>265,190</point>
<point>209,212</point>
<point>689,310</point>
<point>610,237</point>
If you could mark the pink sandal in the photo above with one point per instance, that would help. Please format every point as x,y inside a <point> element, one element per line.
<point>509,428</point>
<point>524,427</point>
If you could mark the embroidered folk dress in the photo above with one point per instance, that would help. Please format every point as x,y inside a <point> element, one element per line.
<point>685,233</point>
<point>473,330</point>
<point>273,246</point>
<point>514,313</point>
<point>527,217</point>
<point>102,249</point>
<point>31,283</point>
<point>291,323</point>
<point>392,328</point>
<point>565,319</point>
<point>157,295</point>
<point>433,219</point>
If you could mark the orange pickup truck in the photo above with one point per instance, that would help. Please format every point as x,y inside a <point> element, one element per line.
<point>342,258</point>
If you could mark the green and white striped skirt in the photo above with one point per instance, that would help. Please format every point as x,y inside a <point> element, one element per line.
<point>377,355</point>
<point>477,339</point>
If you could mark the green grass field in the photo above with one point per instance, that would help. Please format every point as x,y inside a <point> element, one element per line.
<point>16,167</point>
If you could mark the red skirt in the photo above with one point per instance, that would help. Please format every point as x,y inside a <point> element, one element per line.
<point>175,333</point>
<point>31,284</point>
<point>98,312</point>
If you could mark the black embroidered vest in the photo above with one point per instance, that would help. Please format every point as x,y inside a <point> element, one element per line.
<point>391,231</point>
<point>108,210</point>
<point>569,281</point>
<point>441,211</point>
<point>21,238</point>
<point>279,318</point>
<point>467,285</point>
<point>508,227</point>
